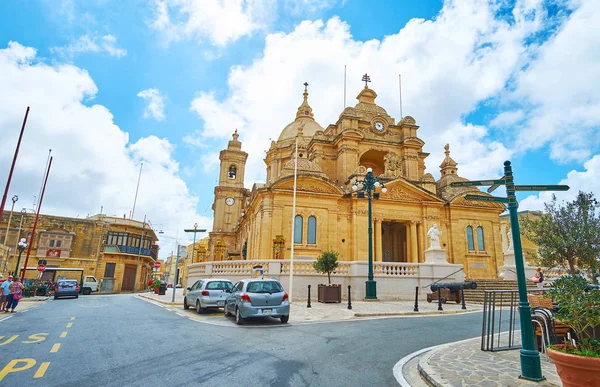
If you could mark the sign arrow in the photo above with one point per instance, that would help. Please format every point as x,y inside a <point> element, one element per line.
<point>493,188</point>
<point>486,198</point>
<point>541,187</point>
<point>476,183</point>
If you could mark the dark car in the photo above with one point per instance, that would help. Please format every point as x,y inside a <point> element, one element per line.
<point>66,288</point>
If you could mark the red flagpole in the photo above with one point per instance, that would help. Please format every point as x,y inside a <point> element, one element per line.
<point>35,223</point>
<point>12,168</point>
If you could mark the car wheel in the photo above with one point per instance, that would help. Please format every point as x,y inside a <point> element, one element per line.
<point>185,304</point>
<point>239,320</point>
<point>284,319</point>
<point>56,297</point>
<point>87,292</point>
<point>76,296</point>
<point>199,309</point>
<point>225,312</point>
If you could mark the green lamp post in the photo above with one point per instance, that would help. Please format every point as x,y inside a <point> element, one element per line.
<point>369,184</point>
<point>21,246</point>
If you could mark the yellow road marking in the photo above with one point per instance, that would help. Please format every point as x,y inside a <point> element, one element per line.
<point>69,325</point>
<point>72,318</point>
<point>63,335</point>
<point>55,348</point>
<point>10,367</point>
<point>42,370</point>
<point>36,338</point>
<point>9,340</point>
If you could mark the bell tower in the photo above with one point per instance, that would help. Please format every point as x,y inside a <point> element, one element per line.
<point>230,193</point>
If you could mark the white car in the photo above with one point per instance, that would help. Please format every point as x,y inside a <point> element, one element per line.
<point>207,293</point>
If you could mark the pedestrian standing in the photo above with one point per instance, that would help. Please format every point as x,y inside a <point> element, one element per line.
<point>4,291</point>
<point>15,295</point>
<point>540,276</point>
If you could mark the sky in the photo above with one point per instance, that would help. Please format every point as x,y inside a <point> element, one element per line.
<point>113,84</point>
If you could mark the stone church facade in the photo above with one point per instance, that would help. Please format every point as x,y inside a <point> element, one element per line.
<point>256,224</point>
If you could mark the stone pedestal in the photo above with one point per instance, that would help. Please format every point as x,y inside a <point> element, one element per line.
<point>508,271</point>
<point>435,256</point>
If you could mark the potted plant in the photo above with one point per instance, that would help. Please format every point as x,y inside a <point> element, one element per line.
<point>327,263</point>
<point>578,361</point>
<point>155,285</point>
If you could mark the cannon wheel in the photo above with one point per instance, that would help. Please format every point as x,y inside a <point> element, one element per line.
<point>429,299</point>
<point>443,300</point>
<point>458,301</point>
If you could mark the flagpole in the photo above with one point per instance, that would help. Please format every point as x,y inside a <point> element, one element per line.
<point>293,221</point>
<point>136,191</point>
<point>44,177</point>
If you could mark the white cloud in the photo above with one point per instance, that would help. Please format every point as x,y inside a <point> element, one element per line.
<point>156,105</point>
<point>219,22</point>
<point>508,118</point>
<point>95,163</point>
<point>561,87</point>
<point>587,181</point>
<point>449,65</point>
<point>86,43</point>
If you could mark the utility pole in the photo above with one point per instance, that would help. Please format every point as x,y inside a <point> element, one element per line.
<point>137,266</point>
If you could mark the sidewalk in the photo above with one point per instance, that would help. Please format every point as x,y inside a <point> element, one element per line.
<point>463,363</point>
<point>335,312</point>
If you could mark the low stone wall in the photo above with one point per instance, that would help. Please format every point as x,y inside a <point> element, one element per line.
<point>395,281</point>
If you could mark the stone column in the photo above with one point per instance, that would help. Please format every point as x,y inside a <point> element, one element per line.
<point>414,252</point>
<point>378,240</point>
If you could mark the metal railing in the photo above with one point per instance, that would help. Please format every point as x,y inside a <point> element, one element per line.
<point>497,303</point>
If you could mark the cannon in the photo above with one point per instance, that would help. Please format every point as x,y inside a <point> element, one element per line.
<point>449,291</point>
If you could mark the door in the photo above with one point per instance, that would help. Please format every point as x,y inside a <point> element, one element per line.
<point>192,294</point>
<point>128,278</point>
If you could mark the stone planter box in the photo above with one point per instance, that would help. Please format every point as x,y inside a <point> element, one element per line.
<point>329,293</point>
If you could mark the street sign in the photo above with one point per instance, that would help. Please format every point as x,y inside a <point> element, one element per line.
<point>476,183</point>
<point>486,198</point>
<point>156,265</point>
<point>541,187</point>
<point>41,267</point>
<point>493,188</point>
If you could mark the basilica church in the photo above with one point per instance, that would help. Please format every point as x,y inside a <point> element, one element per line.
<point>256,224</point>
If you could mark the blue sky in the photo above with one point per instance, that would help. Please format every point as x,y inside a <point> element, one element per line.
<point>114,83</point>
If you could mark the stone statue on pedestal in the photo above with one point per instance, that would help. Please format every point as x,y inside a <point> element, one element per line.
<point>434,237</point>
<point>510,241</point>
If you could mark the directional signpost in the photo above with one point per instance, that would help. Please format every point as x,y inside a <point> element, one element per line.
<point>530,358</point>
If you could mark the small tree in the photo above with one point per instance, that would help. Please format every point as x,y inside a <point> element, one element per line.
<point>567,233</point>
<point>326,263</point>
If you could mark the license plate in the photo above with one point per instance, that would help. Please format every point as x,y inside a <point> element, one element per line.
<point>266,311</point>
<point>220,303</point>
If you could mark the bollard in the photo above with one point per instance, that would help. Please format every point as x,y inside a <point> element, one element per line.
<point>349,300</point>
<point>440,299</point>
<point>462,296</point>
<point>308,303</point>
<point>416,309</point>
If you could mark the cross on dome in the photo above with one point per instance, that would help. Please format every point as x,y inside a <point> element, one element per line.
<point>366,79</point>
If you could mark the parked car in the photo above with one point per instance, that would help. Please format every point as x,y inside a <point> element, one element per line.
<point>207,293</point>
<point>257,298</point>
<point>66,288</point>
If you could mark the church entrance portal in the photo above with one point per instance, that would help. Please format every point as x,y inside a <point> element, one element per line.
<point>394,242</point>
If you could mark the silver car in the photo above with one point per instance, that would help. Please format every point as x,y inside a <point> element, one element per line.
<point>257,298</point>
<point>207,293</point>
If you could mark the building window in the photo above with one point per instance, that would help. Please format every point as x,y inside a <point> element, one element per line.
<point>109,270</point>
<point>470,243</point>
<point>298,229</point>
<point>480,242</point>
<point>54,245</point>
<point>312,230</point>
<point>232,172</point>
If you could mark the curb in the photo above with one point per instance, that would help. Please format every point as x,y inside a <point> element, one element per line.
<point>161,301</point>
<point>390,314</point>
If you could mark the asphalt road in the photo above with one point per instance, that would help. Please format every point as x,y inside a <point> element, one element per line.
<point>120,340</point>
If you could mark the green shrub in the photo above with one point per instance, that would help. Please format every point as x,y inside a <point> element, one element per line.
<point>326,263</point>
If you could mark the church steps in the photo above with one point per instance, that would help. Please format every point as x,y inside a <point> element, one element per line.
<point>476,296</point>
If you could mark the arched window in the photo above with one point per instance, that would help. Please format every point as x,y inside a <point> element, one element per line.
<point>312,230</point>
<point>232,172</point>
<point>298,229</point>
<point>470,243</point>
<point>480,242</point>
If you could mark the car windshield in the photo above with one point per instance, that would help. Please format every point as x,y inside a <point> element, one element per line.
<point>264,287</point>
<point>218,285</point>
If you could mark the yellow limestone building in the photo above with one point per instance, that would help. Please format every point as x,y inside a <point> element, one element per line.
<point>256,224</point>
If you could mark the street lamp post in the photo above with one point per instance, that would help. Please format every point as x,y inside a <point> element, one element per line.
<point>369,184</point>
<point>14,200</point>
<point>21,246</point>
<point>194,230</point>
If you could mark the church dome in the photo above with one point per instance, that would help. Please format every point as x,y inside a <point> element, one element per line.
<point>304,166</point>
<point>304,119</point>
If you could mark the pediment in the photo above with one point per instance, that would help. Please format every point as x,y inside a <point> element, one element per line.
<point>307,184</point>
<point>461,201</point>
<point>353,133</point>
<point>401,189</point>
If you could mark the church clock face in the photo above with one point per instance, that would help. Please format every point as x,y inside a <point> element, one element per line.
<point>379,126</point>
<point>229,201</point>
